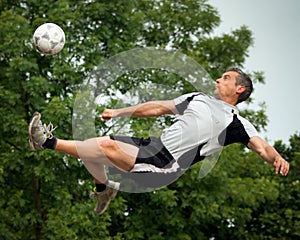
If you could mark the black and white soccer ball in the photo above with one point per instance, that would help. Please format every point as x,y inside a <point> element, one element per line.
<point>49,38</point>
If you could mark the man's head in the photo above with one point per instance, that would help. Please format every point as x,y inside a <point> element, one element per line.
<point>234,86</point>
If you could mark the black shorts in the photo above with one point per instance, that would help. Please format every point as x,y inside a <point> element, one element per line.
<point>155,167</point>
<point>151,150</point>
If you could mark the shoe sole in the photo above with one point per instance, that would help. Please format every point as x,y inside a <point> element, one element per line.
<point>35,118</point>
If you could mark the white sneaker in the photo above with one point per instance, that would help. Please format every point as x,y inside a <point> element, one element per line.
<point>104,198</point>
<point>39,132</point>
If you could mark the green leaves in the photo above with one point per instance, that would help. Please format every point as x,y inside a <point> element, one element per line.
<point>45,195</point>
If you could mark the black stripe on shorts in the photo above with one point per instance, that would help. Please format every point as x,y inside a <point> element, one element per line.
<point>151,150</point>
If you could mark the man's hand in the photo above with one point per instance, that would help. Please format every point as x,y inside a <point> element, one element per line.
<point>269,154</point>
<point>281,166</point>
<point>108,114</point>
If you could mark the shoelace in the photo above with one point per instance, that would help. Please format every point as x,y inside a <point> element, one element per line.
<point>47,129</point>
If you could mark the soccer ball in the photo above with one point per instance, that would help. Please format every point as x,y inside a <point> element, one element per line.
<point>49,38</point>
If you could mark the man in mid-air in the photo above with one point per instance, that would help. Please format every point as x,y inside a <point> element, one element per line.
<point>204,125</point>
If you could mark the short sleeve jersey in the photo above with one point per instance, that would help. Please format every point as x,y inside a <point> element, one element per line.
<point>204,126</point>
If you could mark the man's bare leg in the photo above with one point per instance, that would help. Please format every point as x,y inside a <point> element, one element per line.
<point>97,152</point>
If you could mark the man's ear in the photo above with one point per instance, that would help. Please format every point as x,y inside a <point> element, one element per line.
<point>240,89</point>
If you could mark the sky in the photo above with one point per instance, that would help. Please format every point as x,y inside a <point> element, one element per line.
<point>276,51</point>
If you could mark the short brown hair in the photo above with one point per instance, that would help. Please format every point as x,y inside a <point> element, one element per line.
<point>244,80</point>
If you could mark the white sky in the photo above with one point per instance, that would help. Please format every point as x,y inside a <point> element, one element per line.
<point>276,51</point>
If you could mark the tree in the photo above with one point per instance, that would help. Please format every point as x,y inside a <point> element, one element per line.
<point>44,195</point>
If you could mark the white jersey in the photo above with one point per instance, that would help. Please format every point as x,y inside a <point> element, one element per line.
<point>204,126</point>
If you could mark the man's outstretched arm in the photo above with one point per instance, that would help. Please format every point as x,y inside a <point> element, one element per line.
<point>269,154</point>
<point>147,109</point>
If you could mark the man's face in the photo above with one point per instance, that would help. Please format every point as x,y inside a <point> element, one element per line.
<point>226,88</point>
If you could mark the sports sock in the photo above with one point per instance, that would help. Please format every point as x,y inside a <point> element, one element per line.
<point>100,187</point>
<point>50,143</point>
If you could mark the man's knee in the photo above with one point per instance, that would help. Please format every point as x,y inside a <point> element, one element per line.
<point>107,143</point>
<point>119,156</point>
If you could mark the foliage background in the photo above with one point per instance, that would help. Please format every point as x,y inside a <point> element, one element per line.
<point>45,195</point>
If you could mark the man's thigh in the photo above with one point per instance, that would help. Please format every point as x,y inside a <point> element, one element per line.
<point>120,154</point>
